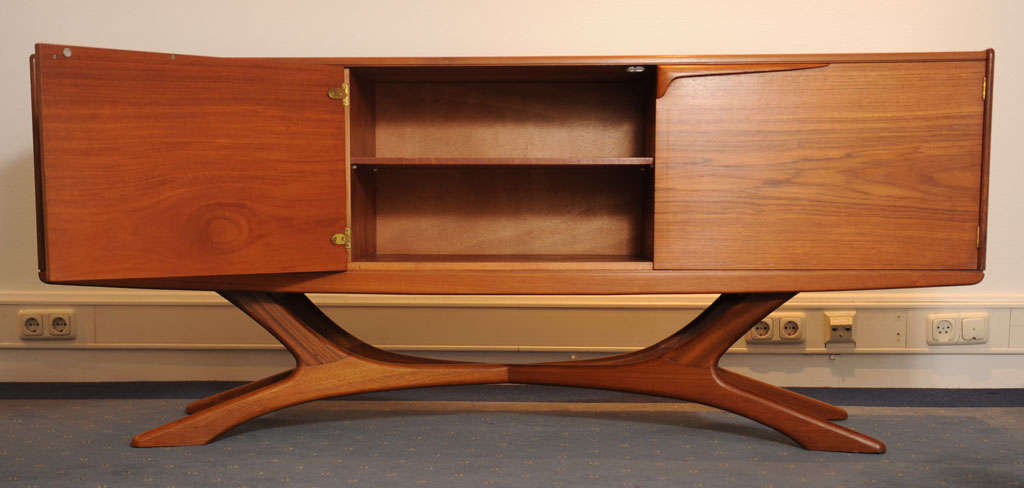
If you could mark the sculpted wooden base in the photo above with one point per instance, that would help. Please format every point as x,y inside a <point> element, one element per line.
<point>331,362</point>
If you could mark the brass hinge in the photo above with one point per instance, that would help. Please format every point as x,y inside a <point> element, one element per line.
<point>345,239</point>
<point>984,88</point>
<point>977,242</point>
<point>339,93</point>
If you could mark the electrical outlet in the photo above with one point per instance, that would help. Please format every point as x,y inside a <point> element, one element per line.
<point>46,324</point>
<point>839,328</point>
<point>943,328</point>
<point>58,324</point>
<point>791,327</point>
<point>946,329</point>
<point>763,332</point>
<point>30,322</point>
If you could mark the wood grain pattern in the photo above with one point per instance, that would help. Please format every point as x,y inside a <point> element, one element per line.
<point>559,282</point>
<point>363,219</point>
<point>584,211</point>
<point>362,116</point>
<point>362,143</point>
<point>331,362</point>
<point>156,166</point>
<point>853,166</point>
<point>505,119</point>
<point>671,72</point>
<point>204,403</point>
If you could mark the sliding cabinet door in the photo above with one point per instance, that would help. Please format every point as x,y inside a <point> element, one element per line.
<point>840,166</point>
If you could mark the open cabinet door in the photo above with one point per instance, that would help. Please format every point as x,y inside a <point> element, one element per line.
<point>158,165</point>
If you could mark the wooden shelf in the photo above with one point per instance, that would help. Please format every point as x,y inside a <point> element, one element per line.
<point>499,261</point>
<point>388,161</point>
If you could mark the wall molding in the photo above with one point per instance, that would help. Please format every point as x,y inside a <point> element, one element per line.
<point>484,348</point>
<point>873,299</point>
<point>125,335</point>
<point>846,370</point>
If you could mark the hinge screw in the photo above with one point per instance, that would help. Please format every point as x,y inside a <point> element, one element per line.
<point>339,93</point>
<point>343,239</point>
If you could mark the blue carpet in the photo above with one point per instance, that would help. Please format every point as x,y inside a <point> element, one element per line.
<point>878,397</point>
<point>413,439</point>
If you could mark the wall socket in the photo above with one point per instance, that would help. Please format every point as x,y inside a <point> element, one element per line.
<point>839,328</point>
<point>778,328</point>
<point>791,327</point>
<point>946,329</point>
<point>46,324</point>
<point>763,332</point>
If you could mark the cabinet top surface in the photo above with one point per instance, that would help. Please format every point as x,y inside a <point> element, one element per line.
<point>634,59</point>
<point>645,60</point>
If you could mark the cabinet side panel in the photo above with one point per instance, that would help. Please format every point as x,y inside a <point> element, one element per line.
<point>987,151</point>
<point>37,166</point>
<point>850,166</point>
<point>157,165</point>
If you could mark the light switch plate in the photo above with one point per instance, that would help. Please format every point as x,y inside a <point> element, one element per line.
<point>974,328</point>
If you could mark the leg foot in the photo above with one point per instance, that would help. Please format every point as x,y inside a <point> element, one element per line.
<point>809,431</point>
<point>685,366</point>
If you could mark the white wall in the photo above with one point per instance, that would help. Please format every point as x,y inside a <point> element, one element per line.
<point>525,27</point>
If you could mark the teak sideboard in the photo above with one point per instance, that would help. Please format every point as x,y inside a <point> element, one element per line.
<point>755,177</point>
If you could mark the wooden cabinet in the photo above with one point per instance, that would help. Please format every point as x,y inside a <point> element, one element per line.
<point>511,175</point>
<point>754,177</point>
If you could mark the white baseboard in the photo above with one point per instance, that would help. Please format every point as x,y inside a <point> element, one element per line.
<point>849,371</point>
<point>855,299</point>
<point>143,335</point>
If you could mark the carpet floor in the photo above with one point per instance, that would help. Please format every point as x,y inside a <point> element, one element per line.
<point>528,437</point>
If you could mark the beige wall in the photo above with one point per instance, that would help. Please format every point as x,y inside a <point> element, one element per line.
<point>524,27</point>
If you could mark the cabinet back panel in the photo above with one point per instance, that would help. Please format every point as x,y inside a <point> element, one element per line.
<point>850,166</point>
<point>535,211</point>
<point>511,119</point>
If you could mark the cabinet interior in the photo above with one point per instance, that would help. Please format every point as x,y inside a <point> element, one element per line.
<point>528,166</point>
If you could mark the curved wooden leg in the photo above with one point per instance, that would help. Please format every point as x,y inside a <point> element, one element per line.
<point>235,392</point>
<point>308,313</point>
<point>347,376</point>
<point>328,363</point>
<point>801,403</point>
<point>685,366</point>
<point>809,431</point>
<point>331,362</point>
